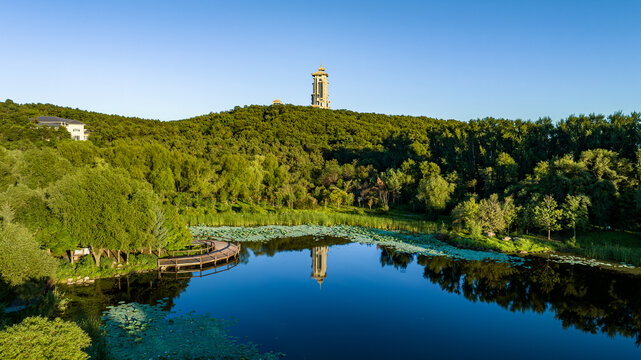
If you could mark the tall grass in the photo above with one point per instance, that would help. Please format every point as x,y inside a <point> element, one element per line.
<point>618,246</point>
<point>612,252</point>
<point>303,217</point>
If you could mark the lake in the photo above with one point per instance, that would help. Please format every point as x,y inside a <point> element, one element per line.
<point>328,298</point>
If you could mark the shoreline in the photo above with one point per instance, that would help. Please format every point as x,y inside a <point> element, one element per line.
<point>415,243</point>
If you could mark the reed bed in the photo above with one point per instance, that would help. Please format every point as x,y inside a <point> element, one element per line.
<point>612,252</point>
<point>383,222</point>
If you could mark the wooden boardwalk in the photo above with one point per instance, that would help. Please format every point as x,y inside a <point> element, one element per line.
<point>217,251</point>
<point>205,271</point>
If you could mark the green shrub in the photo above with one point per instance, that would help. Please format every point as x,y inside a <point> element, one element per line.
<point>39,338</point>
<point>476,230</point>
<point>523,244</point>
<point>21,258</point>
<point>145,260</point>
<point>65,269</point>
<point>106,264</point>
<point>87,267</point>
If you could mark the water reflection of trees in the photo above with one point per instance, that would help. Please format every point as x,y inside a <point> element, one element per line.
<point>146,288</point>
<point>396,259</point>
<point>589,299</point>
<point>270,248</point>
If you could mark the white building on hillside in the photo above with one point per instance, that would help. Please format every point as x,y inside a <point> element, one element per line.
<point>75,127</point>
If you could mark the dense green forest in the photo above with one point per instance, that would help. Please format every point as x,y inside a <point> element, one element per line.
<point>124,190</point>
<point>289,156</point>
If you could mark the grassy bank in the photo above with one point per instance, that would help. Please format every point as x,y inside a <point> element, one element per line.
<point>395,221</point>
<point>617,246</point>
<point>529,244</point>
<point>86,267</point>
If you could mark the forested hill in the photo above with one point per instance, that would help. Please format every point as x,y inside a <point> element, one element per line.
<point>303,157</point>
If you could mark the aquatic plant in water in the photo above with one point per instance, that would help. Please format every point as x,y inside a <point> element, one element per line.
<point>405,242</point>
<point>140,331</point>
<point>401,241</point>
<point>576,260</point>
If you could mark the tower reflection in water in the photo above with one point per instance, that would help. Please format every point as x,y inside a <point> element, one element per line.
<point>319,264</point>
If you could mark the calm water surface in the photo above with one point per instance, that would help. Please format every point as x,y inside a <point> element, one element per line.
<point>331,299</point>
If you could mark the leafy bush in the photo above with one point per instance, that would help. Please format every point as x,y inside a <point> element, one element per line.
<point>65,269</point>
<point>476,230</point>
<point>87,267</point>
<point>145,261</point>
<point>523,244</point>
<point>39,338</point>
<point>21,258</point>
<point>106,264</point>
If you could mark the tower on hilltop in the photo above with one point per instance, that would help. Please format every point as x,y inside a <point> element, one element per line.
<point>319,89</point>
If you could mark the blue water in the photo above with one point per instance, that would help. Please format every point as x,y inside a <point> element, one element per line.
<point>377,304</point>
<point>366,310</point>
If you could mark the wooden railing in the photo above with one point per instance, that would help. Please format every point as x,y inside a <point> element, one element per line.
<point>210,246</point>
<point>202,256</point>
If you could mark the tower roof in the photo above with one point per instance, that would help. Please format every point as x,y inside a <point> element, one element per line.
<point>320,72</point>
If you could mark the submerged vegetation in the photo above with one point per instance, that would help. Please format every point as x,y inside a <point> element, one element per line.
<point>136,331</point>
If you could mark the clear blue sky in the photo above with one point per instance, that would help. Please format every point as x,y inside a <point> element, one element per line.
<point>446,59</point>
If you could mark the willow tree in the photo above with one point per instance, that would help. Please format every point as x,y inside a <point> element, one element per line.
<point>103,208</point>
<point>395,180</point>
<point>433,189</point>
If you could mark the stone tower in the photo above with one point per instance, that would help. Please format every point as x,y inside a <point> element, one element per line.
<point>319,264</point>
<point>319,89</point>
